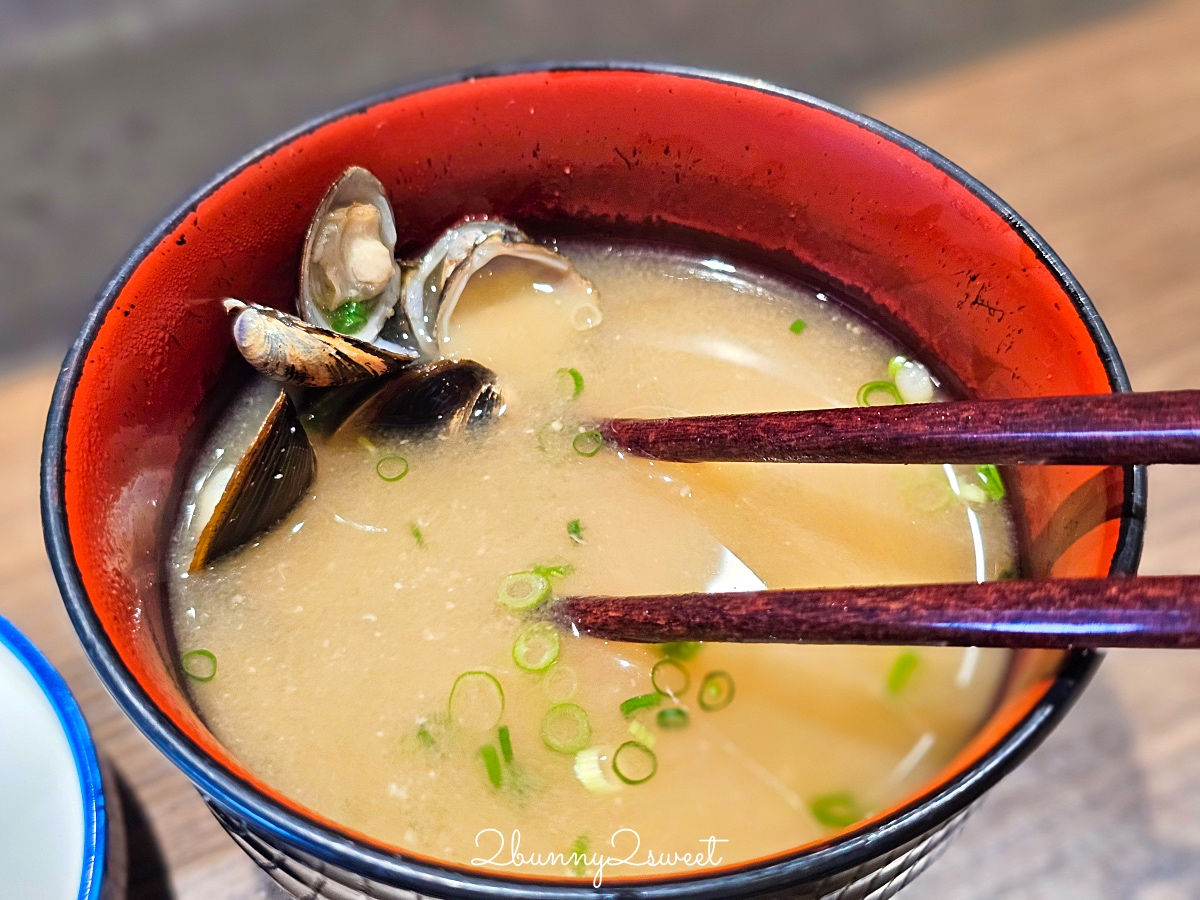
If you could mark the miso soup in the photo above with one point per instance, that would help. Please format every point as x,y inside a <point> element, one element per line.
<point>369,656</point>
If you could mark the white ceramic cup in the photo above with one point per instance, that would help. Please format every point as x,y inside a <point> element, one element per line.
<point>53,822</point>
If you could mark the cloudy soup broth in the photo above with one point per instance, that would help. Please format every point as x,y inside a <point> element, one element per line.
<point>369,664</point>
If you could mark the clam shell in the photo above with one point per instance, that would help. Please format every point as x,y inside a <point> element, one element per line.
<point>288,349</point>
<point>505,243</point>
<point>431,289</point>
<point>267,482</point>
<point>423,283</point>
<point>441,396</point>
<point>356,185</point>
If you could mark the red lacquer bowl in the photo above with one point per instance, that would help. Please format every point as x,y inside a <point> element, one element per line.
<point>759,173</point>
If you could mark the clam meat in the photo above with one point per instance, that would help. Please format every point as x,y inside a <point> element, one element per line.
<point>349,278</point>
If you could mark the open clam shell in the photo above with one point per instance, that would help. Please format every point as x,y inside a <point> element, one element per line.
<point>288,349</point>
<point>432,287</point>
<point>266,483</point>
<point>442,396</point>
<point>348,258</point>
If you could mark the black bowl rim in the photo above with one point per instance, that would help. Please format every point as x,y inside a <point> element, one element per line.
<point>840,855</point>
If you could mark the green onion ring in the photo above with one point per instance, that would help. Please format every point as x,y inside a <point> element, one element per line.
<point>659,675</point>
<point>641,701</point>
<point>683,650</point>
<point>672,718</point>
<point>574,719</point>
<point>878,387</point>
<point>392,464</point>
<point>560,684</point>
<point>588,443</point>
<point>556,570</point>
<point>838,810</point>
<point>716,691</point>
<point>523,590</point>
<point>536,647</point>
<point>208,668</point>
<point>576,381</point>
<point>476,688</point>
<point>634,754</point>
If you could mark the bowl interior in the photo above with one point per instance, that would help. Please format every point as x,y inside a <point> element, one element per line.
<point>781,180</point>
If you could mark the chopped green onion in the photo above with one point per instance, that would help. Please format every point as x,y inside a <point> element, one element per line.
<point>642,701</point>
<point>430,732</point>
<point>589,773</point>
<point>993,484</point>
<point>547,431</point>
<point>199,665</point>
<point>349,317</point>
<point>575,531</point>
<point>392,468</point>
<point>588,443</point>
<point>684,650</point>
<point>506,744</point>
<point>578,856</point>
<point>926,489</point>
<point>895,364</point>
<point>560,683</point>
<point>838,810</point>
<point>871,388</point>
<point>672,718</point>
<point>491,762</point>
<point>798,326</point>
<point>559,570</point>
<point>972,493</point>
<point>523,590</point>
<point>643,734</point>
<point>716,691</point>
<point>476,701</point>
<point>576,381</point>
<point>670,678</point>
<point>566,728</point>
<point>418,535</point>
<point>902,670</point>
<point>365,443</point>
<point>634,763</point>
<point>536,647</point>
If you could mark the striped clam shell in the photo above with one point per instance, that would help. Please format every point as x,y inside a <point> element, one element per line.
<point>288,349</point>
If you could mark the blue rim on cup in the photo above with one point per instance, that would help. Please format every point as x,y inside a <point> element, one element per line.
<point>83,752</point>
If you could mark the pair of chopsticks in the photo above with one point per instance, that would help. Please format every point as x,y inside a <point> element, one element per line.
<point>1091,430</point>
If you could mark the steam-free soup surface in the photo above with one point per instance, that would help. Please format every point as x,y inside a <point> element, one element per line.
<point>338,635</point>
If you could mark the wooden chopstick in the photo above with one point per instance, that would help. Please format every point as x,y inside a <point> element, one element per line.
<point>1161,611</point>
<point>1089,429</point>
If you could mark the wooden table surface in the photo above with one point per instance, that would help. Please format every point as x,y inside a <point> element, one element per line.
<point>1094,136</point>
